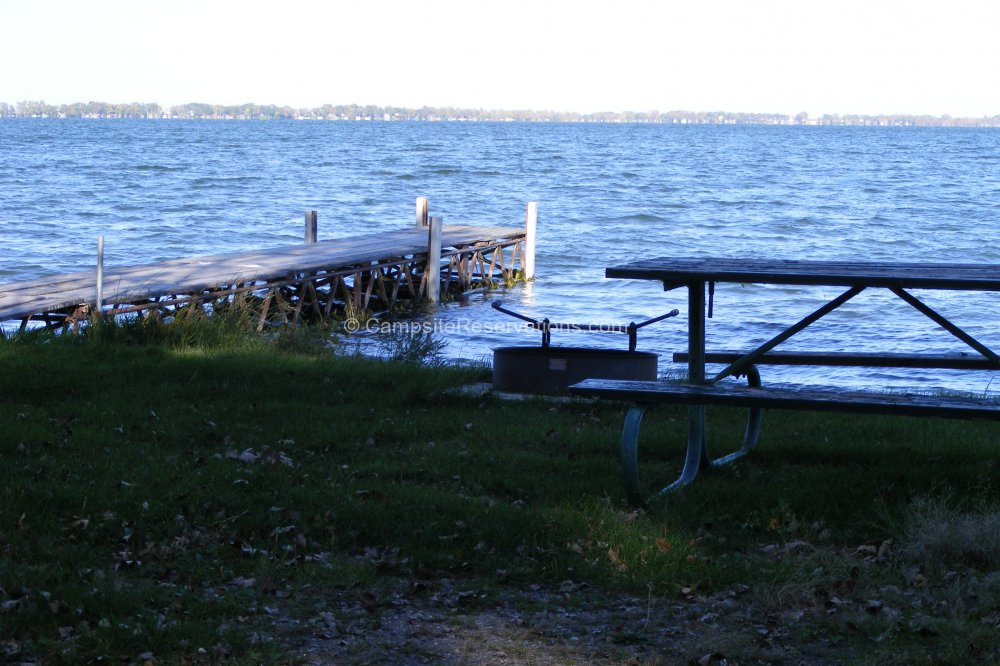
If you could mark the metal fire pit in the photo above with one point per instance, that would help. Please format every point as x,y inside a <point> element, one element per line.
<point>551,370</point>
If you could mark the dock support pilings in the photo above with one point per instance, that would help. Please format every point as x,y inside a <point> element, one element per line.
<point>421,212</point>
<point>530,224</point>
<point>99,296</point>
<point>311,226</point>
<point>433,272</point>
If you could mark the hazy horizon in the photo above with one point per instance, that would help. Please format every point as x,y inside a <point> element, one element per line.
<point>486,110</point>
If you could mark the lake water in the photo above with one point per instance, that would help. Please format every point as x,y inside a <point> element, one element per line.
<point>607,194</point>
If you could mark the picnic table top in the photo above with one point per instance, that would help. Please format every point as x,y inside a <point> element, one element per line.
<point>677,271</point>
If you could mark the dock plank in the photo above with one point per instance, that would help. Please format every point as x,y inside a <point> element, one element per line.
<point>128,283</point>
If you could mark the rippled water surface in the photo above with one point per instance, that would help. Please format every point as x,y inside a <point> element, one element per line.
<point>607,194</point>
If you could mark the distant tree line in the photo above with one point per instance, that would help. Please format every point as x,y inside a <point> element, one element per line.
<point>80,110</point>
<point>370,112</point>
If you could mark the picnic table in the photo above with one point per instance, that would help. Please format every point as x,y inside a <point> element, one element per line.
<point>700,275</point>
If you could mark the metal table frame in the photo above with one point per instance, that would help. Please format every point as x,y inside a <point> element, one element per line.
<point>700,276</point>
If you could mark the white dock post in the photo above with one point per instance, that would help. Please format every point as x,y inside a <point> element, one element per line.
<point>311,226</point>
<point>433,272</point>
<point>530,223</point>
<point>421,212</point>
<point>100,274</point>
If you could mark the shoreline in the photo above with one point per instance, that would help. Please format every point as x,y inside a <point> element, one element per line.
<point>354,113</point>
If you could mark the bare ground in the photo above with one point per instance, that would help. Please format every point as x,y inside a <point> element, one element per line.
<point>444,623</point>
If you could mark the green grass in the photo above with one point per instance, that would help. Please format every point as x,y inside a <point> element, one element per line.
<point>162,492</point>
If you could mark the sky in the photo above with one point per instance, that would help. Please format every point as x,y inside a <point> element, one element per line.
<point>762,56</point>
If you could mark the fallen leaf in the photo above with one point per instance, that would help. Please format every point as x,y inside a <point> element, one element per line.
<point>739,590</point>
<point>793,546</point>
<point>834,601</point>
<point>568,586</point>
<point>616,559</point>
<point>368,601</point>
<point>890,614</point>
<point>991,619</point>
<point>662,544</point>
<point>329,620</point>
<point>247,455</point>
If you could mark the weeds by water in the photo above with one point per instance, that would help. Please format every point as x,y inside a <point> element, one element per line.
<point>213,496</point>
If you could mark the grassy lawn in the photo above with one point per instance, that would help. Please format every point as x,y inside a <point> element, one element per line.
<point>199,500</point>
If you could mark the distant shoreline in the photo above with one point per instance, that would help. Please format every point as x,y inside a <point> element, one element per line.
<point>371,113</point>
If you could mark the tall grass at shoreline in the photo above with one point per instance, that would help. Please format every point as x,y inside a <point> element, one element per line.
<point>167,493</point>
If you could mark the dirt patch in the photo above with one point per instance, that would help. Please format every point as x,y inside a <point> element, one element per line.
<point>533,625</point>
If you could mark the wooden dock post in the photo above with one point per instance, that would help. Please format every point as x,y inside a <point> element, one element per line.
<point>421,212</point>
<point>530,223</point>
<point>100,274</point>
<point>433,271</point>
<point>311,226</point>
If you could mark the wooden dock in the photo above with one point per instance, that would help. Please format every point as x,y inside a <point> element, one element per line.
<point>314,279</point>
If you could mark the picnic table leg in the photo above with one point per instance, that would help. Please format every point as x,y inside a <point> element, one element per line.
<point>695,458</point>
<point>696,375</point>
<point>755,418</point>
<point>696,372</point>
<point>630,460</point>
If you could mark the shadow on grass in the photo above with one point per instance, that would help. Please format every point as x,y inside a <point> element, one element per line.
<point>201,503</point>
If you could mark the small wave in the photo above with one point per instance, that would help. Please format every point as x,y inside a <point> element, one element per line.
<point>185,208</point>
<point>157,168</point>
<point>643,217</point>
<point>213,181</point>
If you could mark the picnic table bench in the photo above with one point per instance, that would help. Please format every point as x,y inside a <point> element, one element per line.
<point>699,391</point>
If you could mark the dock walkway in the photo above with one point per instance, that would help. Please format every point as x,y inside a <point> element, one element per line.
<point>314,279</point>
